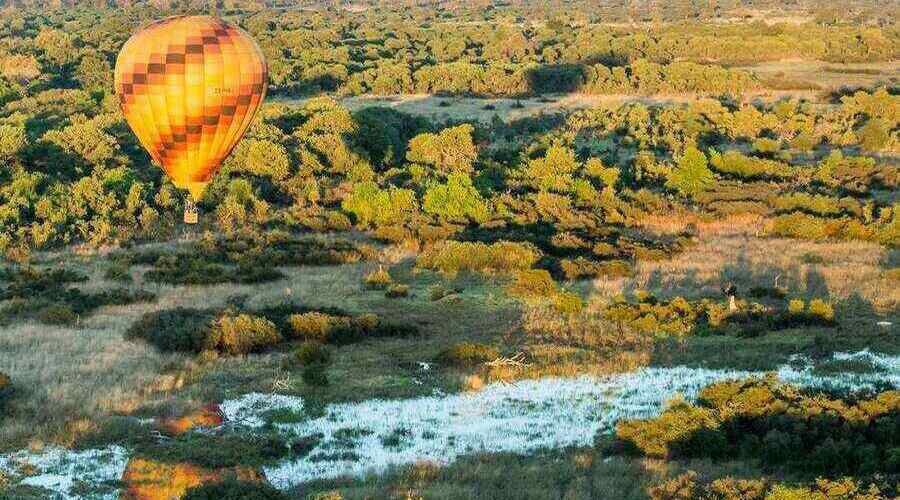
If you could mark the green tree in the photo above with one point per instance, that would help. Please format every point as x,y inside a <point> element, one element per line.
<point>94,72</point>
<point>553,171</point>
<point>451,150</point>
<point>456,201</point>
<point>691,176</point>
<point>873,136</point>
<point>370,204</point>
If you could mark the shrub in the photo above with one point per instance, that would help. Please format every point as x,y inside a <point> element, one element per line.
<point>397,291</point>
<point>312,326</point>
<point>822,310</point>
<point>567,303</point>
<point>456,201</point>
<point>874,135</point>
<point>438,292</point>
<point>57,314</point>
<point>379,279</point>
<point>370,204</point>
<point>241,334</point>
<point>118,272</point>
<point>467,354</point>
<point>804,141</point>
<point>614,269</point>
<point>5,388</point>
<point>651,317</point>
<point>450,257</point>
<point>191,270</point>
<point>180,329</point>
<point>533,282</point>
<point>311,353</point>
<point>668,434</point>
<point>451,150</point>
<point>691,176</point>
<point>214,451</point>
<point>688,486</point>
<point>341,330</point>
<point>315,374</point>
<point>232,489</point>
<point>763,419</point>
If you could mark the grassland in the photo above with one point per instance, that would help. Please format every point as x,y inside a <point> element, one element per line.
<point>98,385</point>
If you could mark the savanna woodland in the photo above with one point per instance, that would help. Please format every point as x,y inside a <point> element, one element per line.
<point>486,249</point>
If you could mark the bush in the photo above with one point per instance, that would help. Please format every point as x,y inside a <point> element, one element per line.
<point>763,419</point>
<point>342,330</point>
<point>691,176</point>
<point>312,326</point>
<point>118,272</point>
<point>456,201</point>
<point>191,270</point>
<point>311,353</point>
<point>450,257</point>
<point>874,135</point>
<point>370,204</point>
<point>173,330</point>
<point>397,291</point>
<point>614,269</point>
<point>533,282</point>
<point>43,295</point>
<point>241,334</point>
<point>234,490</point>
<point>567,303</point>
<point>315,374</point>
<point>58,314</point>
<point>5,387</point>
<point>379,279</point>
<point>467,354</point>
<point>689,486</point>
<point>821,310</point>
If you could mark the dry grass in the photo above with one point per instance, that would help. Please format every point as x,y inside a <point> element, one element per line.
<point>734,250</point>
<point>476,109</point>
<point>828,76</point>
<point>69,380</point>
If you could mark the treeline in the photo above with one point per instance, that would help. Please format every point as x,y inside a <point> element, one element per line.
<point>73,172</point>
<point>609,11</point>
<point>382,51</point>
<point>462,78</point>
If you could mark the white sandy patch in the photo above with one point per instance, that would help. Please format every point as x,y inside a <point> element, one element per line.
<point>370,436</point>
<point>59,470</point>
<point>249,409</point>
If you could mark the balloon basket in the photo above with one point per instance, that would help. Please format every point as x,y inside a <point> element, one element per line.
<point>191,214</point>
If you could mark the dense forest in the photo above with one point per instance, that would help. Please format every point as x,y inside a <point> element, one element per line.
<point>73,171</point>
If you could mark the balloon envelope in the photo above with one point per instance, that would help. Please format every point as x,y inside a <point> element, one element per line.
<point>189,87</point>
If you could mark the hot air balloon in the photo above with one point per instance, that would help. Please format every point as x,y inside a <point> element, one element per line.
<point>189,87</point>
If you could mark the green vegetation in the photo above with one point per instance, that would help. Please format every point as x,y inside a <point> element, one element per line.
<point>43,295</point>
<point>234,490</point>
<point>687,487</point>
<point>513,190</point>
<point>466,354</point>
<point>5,388</point>
<point>234,333</point>
<point>808,434</point>
<point>679,317</point>
<point>451,257</point>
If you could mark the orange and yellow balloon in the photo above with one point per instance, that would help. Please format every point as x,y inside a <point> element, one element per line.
<point>189,87</point>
